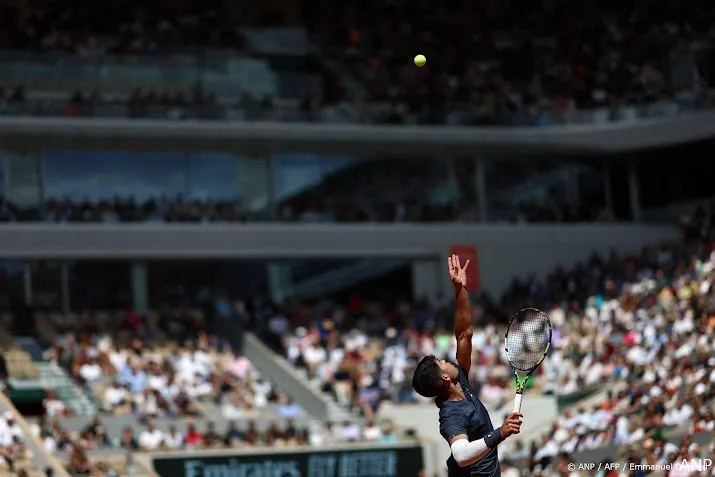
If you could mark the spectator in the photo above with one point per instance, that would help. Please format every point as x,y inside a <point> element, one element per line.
<point>371,432</point>
<point>151,438</point>
<point>102,469</point>
<point>115,396</point>
<point>173,439</point>
<point>48,441</point>
<point>237,407</point>
<point>14,450</point>
<point>53,406</point>
<point>289,409</point>
<point>192,438</point>
<point>388,433</point>
<point>349,432</point>
<point>239,367</point>
<point>9,430</point>
<point>211,438</point>
<point>127,440</point>
<point>78,461</point>
<point>232,433</point>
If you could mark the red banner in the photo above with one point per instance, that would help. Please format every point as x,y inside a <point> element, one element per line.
<point>468,252</point>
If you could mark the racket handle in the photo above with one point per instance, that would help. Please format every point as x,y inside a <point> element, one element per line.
<point>517,403</point>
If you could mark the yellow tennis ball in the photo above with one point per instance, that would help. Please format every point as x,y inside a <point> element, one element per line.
<point>420,60</point>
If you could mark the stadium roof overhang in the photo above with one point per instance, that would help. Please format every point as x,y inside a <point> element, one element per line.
<point>22,133</point>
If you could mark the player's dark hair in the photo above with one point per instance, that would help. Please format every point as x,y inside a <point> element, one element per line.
<point>427,380</point>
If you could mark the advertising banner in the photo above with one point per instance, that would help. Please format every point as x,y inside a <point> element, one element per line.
<point>377,461</point>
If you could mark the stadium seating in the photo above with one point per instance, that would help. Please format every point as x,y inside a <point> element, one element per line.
<point>20,365</point>
<point>329,202</point>
<point>632,358</point>
<point>486,64</point>
<point>631,321</point>
<point>230,390</point>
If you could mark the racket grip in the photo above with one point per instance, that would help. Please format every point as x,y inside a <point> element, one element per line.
<point>517,403</point>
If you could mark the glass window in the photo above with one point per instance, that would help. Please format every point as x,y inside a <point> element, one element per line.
<point>350,189</point>
<point>539,190</point>
<point>100,285</point>
<point>297,172</point>
<point>104,175</point>
<point>254,180</point>
<point>23,178</point>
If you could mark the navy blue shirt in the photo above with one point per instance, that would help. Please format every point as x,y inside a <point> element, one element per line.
<point>468,416</point>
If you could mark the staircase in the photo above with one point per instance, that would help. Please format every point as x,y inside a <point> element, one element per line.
<point>53,377</point>
<point>76,399</point>
<point>335,412</point>
<point>306,392</point>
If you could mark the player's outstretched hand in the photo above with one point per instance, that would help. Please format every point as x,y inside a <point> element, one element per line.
<point>457,272</point>
<point>512,425</point>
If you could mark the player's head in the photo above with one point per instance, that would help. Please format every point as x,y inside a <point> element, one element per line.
<point>433,377</point>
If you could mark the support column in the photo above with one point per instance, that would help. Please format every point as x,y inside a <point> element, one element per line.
<point>254,182</point>
<point>426,280</point>
<point>271,184</point>
<point>5,177</point>
<point>634,191</point>
<point>140,287</point>
<point>280,283</point>
<point>452,177</point>
<point>608,188</point>
<point>573,194</point>
<point>65,285</point>
<point>480,184</point>
<point>27,283</point>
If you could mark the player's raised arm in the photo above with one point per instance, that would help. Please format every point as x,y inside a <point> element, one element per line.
<point>463,314</point>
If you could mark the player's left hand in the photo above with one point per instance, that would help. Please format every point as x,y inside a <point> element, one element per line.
<point>457,273</point>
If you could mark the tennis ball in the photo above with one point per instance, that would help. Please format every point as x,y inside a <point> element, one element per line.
<point>420,60</point>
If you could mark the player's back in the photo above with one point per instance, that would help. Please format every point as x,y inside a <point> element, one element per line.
<point>474,416</point>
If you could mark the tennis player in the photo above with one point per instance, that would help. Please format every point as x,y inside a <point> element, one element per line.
<point>463,419</point>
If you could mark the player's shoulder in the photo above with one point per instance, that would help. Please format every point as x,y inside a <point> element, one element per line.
<point>449,408</point>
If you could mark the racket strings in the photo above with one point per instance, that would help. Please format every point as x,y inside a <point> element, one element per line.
<point>527,339</point>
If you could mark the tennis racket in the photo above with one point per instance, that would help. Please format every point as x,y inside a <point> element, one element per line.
<point>527,342</point>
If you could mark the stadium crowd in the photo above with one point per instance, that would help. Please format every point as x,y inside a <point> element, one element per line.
<point>165,366</point>
<point>513,70</point>
<point>509,62</point>
<point>130,27</point>
<point>12,445</point>
<point>150,380</point>
<point>300,209</point>
<point>146,104</point>
<point>647,321</point>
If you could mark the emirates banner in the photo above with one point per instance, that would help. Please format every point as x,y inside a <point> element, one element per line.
<point>377,461</point>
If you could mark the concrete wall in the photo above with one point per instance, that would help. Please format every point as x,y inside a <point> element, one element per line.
<point>505,250</point>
